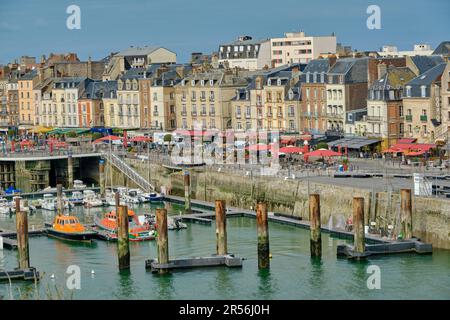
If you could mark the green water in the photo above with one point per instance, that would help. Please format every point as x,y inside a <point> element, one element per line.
<point>293,275</point>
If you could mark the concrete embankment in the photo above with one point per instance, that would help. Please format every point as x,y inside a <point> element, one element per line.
<point>431,216</point>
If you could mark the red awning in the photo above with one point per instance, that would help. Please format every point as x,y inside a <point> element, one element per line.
<point>292,149</point>
<point>323,153</point>
<point>141,139</point>
<point>258,147</point>
<point>392,150</point>
<point>107,138</point>
<point>415,153</point>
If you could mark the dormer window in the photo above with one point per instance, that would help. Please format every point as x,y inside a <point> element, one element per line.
<point>192,82</point>
<point>183,82</point>
<point>291,94</point>
<point>246,94</point>
<point>315,77</point>
<point>211,82</point>
<point>269,82</point>
<point>202,83</point>
<point>408,91</point>
<point>279,82</point>
<point>307,77</point>
<point>423,91</point>
<point>322,77</point>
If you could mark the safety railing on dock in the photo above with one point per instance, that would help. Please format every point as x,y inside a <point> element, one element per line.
<point>128,171</point>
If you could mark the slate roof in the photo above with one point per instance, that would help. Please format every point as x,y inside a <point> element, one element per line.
<point>425,79</point>
<point>29,75</point>
<point>394,78</point>
<point>354,70</point>
<point>424,63</point>
<point>443,48</point>
<point>99,89</point>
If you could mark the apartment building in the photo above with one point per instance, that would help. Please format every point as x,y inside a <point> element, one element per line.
<point>270,102</point>
<point>346,90</point>
<point>245,53</point>
<point>385,115</point>
<point>12,102</point>
<point>421,104</point>
<point>313,92</point>
<point>297,47</point>
<point>94,100</point>
<point>128,98</point>
<point>443,133</point>
<point>26,98</point>
<point>203,99</point>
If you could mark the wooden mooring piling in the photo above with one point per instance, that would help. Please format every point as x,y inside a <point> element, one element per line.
<point>24,271</point>
<point>123,246</point>
<point>163,264</point>
<point>315,230</point>
<point>262,227</point>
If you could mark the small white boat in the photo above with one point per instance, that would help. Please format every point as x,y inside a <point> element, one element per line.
<point>91,199</point>
<point>5,207</point>
<point>76,198</point>
<point>78,184</point>
<point>110,199</point>
<point>131,197</point>
<point>48,202</point>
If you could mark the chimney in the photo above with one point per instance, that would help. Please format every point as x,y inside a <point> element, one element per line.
<point>332,60</point>
<point>381,69</point>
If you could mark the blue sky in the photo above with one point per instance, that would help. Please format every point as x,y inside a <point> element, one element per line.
<point>184,26</point>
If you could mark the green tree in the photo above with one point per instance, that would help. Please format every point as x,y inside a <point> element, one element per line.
<point>96,135</point>
<point>322,145</point>
<point>168,138</point>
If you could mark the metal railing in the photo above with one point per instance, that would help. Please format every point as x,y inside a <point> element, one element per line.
<point>128,171</point>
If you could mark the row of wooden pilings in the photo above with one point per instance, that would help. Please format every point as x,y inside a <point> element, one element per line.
<point>221,233</point>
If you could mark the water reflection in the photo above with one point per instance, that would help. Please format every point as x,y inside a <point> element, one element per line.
<point>316,279</point>
<point>127,288</point>
<point>266,287</point>
<point>165,289</point>
<point>224,283</point>
<point>359,278</point>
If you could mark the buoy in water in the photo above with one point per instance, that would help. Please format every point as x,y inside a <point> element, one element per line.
<point>52,276</point>
<point>92,272</point>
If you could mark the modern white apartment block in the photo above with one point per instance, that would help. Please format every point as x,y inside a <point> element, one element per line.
<point>297,47</point>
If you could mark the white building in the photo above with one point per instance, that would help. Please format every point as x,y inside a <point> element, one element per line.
<point>245,53</point>
<point>296,47</point>
<point>418,50</point>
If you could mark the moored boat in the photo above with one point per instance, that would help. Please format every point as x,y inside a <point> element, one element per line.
<point>70,228</point>
<point>138,231</point>
<point>91,199</point>
<point>76,198</point>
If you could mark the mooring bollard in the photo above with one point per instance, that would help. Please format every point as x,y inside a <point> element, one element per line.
<point>187,193</point>
<point>221,228</point>
<point>359,245</point>
<point>70,171</point>
<point>101,168</point>
<point>406,213</point>
<point>162,241</point>
<point>263,236</point>
<point>315,231</point>
<point>22,239</point>
<point>59,202</point>
<point>123,238</point>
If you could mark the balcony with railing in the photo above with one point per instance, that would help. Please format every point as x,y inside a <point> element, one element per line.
<point>374,118</point>
<point>423,118</point>
<point>333,115</point>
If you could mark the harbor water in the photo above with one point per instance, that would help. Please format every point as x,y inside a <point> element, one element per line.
<point>292,275</point>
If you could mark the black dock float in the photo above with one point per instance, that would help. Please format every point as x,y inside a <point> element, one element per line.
<point>27,274</point>
<point>413,245</point>
<point>195,219</point>
<point>10,244</point>
<point>196,262</point>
